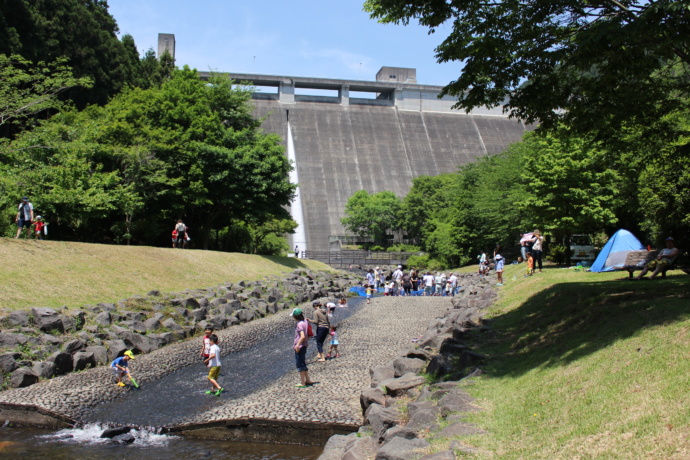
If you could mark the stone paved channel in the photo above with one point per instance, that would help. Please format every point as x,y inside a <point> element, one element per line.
<point>369,337</point>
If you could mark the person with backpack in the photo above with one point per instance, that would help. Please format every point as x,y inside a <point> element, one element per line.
<point>25,216</point>
<point>299,345</point>
<point>181,229</point>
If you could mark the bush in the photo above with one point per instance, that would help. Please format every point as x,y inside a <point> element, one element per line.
<point>403,248</point>
<point>420,262</point>
<point>557,253</point>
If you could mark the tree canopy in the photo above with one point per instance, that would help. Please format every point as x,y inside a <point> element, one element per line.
<point>590,65</point>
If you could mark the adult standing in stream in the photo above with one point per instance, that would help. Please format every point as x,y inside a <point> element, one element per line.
<point>299,345</point>
<point>322,327</point>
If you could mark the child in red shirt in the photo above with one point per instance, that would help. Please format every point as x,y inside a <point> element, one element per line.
<point>38,228</point>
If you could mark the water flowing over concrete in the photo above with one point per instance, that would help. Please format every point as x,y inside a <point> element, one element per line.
<point>262,403</point>
<point>299,238</point>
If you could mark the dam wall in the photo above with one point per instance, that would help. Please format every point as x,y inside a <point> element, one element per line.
<point>375,136</point>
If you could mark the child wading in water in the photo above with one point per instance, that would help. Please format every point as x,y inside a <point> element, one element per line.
<point>333,350</point>
<point>213,362</point>
<point>120,367</point>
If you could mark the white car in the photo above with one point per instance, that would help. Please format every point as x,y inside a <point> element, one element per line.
<point>582,248</point>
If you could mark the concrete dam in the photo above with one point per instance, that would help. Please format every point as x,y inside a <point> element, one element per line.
<point>349,135</point>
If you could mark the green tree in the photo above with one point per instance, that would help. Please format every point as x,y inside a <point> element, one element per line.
<point>372,215</point>
<point>28,90</point>
<point>590,65</point>
<point>572,188</point>
<point>81,31</point>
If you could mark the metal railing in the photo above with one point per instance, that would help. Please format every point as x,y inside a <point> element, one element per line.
<point>344,259</point>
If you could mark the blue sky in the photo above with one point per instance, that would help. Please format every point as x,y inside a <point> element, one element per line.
<point>302,38</point>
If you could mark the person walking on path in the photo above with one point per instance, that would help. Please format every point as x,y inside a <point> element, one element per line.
<point>120,367</point>
<point>299,345</point>
<point>322,326</point>
<point>213,362</point>
<point>25,216</point>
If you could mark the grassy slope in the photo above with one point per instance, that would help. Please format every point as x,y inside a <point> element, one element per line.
<point>54,273</point>
<point>587,365</point>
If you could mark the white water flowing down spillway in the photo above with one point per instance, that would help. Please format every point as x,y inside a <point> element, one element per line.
<point>299,238</point>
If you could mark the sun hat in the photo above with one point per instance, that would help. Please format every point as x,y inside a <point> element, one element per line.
<point>25,198</point>
<point>296,312</point>
<point>130,354</point>
<point>316,303</point>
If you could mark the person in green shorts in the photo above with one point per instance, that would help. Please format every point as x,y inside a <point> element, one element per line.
<point>213,362</point>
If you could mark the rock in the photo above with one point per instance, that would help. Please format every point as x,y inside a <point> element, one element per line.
<point>459,429</point>
<point>8,362</point>
<point>398,386</point>
<point>23,377</point>
<point>107,306</point>
<point>103,319</point>
<point>414,407</point>
<point>425,419</point>
<point>362,448</point>
<point>199,314</point>
<point>451,346</point>
<point>439,365</point>
<point>11,340</point>
<point>74,346</point>
<point>136,326</point>
<point>153,293</point>
<point>403,366</point>
<point>138,342</point>
<point>380,419</point>
<point>400,431</point>
<point>379,374</point>
<point>19,318</point>
<point>83,360</point>
<point>443,455</point>
<point>115,348</point>
<point>370,396</point>
<point>44,369</point>
<point>336,446</point>
<point>123,439</point>
<point>401,449</point>
<point>191,303</point>
<point>117,431</point>
<point>47,319</point>
<point>62,361</point>
<point>152,324</point>
<point>172,325</point>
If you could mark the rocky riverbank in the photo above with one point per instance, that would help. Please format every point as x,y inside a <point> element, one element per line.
<point>404,417</point>
<point>40,343</point>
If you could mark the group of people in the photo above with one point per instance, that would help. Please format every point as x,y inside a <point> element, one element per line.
<point>404,283</point>
<point>25,220</point>
<point>532,249</point>
<point>323,319</point>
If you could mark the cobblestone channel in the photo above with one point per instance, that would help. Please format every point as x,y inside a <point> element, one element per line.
<point>371,336</point>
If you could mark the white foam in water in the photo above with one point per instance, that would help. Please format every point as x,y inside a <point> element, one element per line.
<point>91,434</point>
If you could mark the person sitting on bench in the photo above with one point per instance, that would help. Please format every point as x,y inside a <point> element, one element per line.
<point>663,260</point>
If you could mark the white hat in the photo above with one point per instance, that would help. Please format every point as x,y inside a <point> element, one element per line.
<point>498,257</point>
<point>399,266</point>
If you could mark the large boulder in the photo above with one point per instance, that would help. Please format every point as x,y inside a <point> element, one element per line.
<point>11,339</point>
<point>403,366</point>
<point>138,341</point>
<point>103,319</point>
<point>152,324</point>
<point>44,369</point>
<point>371,396</point>
<point>8,362</point>
<point>136,326</point>
<point>83,360</point>
<point>47,319</point>
<point>19,318</point>
<point>379,374</point>
<point>23,377</point>
<point>400,448</point>
<point>74,346</point>
<point>172,325</point>
<point>115,348</point>
<point>398,386</point>
<point>380,419</point>
<point>62,361</point>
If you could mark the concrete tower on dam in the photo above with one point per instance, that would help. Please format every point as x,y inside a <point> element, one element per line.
<point>348,135</point>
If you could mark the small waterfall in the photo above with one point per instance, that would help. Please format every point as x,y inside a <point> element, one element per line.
<point>300,236</point>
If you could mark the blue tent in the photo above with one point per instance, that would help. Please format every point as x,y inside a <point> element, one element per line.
<point>615,251</point>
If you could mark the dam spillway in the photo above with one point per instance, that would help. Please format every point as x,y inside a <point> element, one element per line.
<point>344,143</point>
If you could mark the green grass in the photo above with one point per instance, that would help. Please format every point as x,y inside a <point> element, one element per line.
<point>55,273</point>
<point>586,365</point>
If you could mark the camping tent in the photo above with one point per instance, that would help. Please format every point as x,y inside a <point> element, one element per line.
<point>615,251</point>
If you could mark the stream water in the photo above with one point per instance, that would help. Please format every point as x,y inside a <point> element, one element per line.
<point>169,401</point>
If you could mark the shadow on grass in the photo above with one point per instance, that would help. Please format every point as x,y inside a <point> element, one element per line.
<point>569,321</point>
